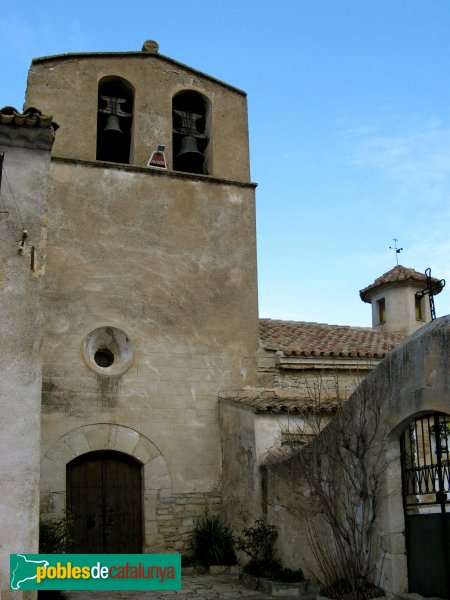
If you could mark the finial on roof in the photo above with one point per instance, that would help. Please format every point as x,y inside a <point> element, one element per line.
<point>150,46</point>
<point>397,250</point>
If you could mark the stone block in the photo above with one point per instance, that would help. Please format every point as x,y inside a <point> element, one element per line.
<point>77,442</point>
<point>44,505</point>
<point>97,436</point>
<point>219,570</point>
<point>395,574</point>
<point>156,467</point>
<point>61,453</point>
<point>123,439</point>
<point>152,539</point>
<point>277,588</point>
<point>150,507</point>
<point>53,476</point>
<point>144,451</point>
<point>151,527</point>
<point>57,504</point>
<point>393,543</point>
<point>162,415</point>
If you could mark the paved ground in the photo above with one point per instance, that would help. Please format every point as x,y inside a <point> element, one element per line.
<point>200,587</point>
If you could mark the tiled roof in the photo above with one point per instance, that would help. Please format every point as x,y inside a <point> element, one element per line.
<point>31,117</point>
<point>319,339</point>
<point>399,274</point>
<point>278,400</point>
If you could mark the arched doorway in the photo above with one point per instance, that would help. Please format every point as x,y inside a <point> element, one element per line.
<point>425,446</point>
<point>104,496</point>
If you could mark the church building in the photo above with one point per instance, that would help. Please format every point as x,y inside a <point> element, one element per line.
<point>129,306</point>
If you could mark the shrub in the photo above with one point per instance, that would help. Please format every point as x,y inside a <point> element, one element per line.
<point>263,568</point>
<point>55,535</point>
<point>258,542</point>
<point>212,542</point>
<point>272,569</point>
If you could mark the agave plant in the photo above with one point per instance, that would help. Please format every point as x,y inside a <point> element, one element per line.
<point>212,542</point>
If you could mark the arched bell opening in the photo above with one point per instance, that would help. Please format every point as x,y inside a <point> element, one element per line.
<point>191,132</point>
<point>115,119</point>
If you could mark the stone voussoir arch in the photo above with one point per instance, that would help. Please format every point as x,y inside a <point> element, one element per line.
<point>104,436</point>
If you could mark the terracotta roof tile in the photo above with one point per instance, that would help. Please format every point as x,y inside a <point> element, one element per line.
<point>278,400</point>
<point>31,117</point>
<point>319,339</point>
<point>399,273</point>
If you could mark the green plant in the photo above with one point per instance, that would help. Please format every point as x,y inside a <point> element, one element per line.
<point>212,542</point>
<point>56,535</point>
<point>263,568</point>
<point>258,541</point>
<point>289,575</point>
<point>273,569</point>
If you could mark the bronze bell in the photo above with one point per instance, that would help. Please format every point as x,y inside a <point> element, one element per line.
<point>112,124</point>
<point>189,157</point>
<point>188,145</point>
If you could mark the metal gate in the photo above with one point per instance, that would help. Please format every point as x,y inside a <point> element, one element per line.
<point>425,446</point>
<point>104,497</point>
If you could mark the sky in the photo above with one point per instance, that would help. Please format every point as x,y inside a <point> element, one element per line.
<point>349,120</point>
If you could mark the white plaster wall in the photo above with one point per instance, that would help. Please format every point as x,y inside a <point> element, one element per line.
<point>400,309</point>
<point>25,179</point>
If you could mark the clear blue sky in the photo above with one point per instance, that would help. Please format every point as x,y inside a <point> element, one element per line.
<point>349,114</point>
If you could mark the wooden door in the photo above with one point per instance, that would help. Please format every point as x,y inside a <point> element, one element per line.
<point>104,496</point>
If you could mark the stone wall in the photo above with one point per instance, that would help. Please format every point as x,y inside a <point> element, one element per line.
<point>413,380</point>
<point>256,424</point>
<point>168,516</point>
<point>24,193</point>
<point>153,268</point>
<point>177,514</point>
<point>68,87</point>
<point>331,377</point>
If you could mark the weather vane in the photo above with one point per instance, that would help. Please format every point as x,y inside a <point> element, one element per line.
<point>397,250</point>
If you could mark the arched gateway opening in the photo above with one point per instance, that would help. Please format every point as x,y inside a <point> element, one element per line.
<point>104,496</point>
<point>425,446</point>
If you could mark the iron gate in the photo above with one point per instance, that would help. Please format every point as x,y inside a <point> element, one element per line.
<point>425,446</point>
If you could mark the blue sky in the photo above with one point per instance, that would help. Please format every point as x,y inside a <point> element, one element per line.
<point>349,116</point>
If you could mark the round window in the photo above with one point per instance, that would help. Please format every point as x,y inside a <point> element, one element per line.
<point>108,351</point>
<point>104,357</point>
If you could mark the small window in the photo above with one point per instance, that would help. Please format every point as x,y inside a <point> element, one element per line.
<point>419,308</point>
<point>381,304</point>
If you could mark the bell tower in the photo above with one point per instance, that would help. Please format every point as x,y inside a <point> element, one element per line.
<point>151,290</point>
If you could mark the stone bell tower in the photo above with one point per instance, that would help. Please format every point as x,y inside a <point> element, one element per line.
<point>151,297</point>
